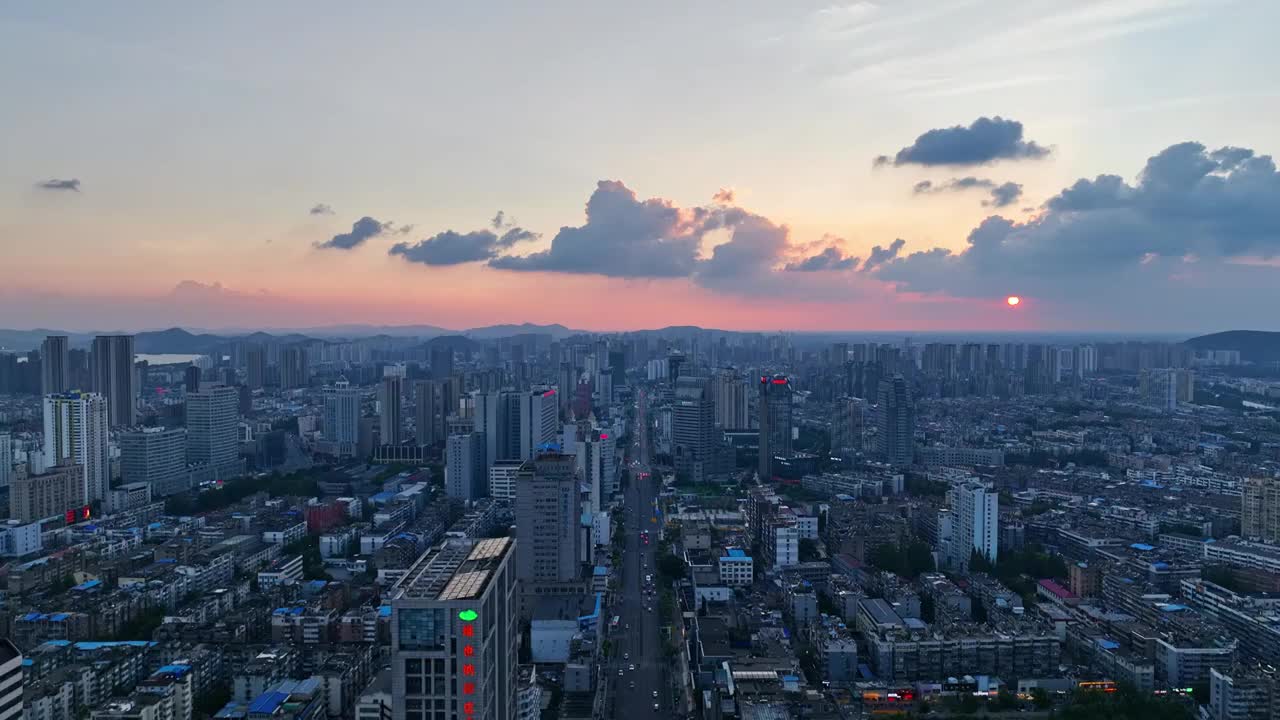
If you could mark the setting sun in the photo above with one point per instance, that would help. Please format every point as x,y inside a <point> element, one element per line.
<point>1013,300</point>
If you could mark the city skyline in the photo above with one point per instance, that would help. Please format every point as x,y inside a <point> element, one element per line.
<point>858,166</point>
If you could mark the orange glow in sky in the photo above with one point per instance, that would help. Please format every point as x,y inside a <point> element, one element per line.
<point>1013,300</point>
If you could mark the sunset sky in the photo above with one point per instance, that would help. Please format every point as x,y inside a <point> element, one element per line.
<point>749,164</point>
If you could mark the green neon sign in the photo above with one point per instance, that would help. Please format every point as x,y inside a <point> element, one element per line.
<point>468,615</point>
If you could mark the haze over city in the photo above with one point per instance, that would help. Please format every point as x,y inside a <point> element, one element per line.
<point>751,166</point>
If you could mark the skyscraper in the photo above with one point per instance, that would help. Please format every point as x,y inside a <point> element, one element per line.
<point>391,409</point>
<point>428,424</point>
<point>342,418</point>
<point>157,457</point>
<point>75,431</point>
<point>212,426</point>
<point>595,452</point>
<point>548,522</point>
<point>295,372</point>
<point>54,365</point>
<point>774,417</point>
<point>729,394</point>
<point>466,474</point>
<point>191,378</point>
<point>11,681</point>
<point>896,439</point>
<point>975,512</point>
<point>49,494</point>
<point>114,378</point>
<point>454,632</point>
<point>441,363</point>
<point>6,459</point>
<point>693,429</point>
<point>516,423</point>
<point>1260,509</point>
<point>255,367</point>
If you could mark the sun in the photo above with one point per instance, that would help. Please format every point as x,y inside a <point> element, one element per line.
<point>1013,300</point>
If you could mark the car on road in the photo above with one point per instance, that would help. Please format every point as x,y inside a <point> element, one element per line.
<point>621,672</point>
<point>632,685</point>
<point>626,655</point>
<point>632,667</point>
<point>655,707</point>
<point>655,694</point>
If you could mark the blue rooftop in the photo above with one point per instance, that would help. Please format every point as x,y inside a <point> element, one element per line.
<point>384,611</point>
<point>1108,644</point>
<point>737,553</point>
<point>268,702</point>
<point>599,570</point>
<point>1143,547</point>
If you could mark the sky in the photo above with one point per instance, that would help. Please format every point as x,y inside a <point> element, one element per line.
<point>750,165</point>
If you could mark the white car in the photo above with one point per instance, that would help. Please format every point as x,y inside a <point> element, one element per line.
<point>655,695</point>
<point>632,667</point>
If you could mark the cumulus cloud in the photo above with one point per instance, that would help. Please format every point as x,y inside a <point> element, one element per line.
<point>879,255</point>
<point>73,185</point>
<point>361,231</point>
<point>1001,194</point>
<point>831,258</point>
<point>622,237</point>
<point>321,209</point>
<point>984,141</point>
<point>454,248</point>
<point>1219,207</point>
<point>723,196</point>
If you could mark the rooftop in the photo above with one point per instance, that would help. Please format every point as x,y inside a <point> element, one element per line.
<point>456,570</point>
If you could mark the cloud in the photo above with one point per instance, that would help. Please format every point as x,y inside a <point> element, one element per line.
<point>73,184</point>
<point>499,221</point>
<point>623,237</point>
<point>321,209</point>
<point>831,258</point>
<point>984,141</point>
<point>453,248</point>
<point>723,196</point>
<point>1002,194</point>
<point>880,256</point>
<point>362,230</point>
<point>1122,240</point>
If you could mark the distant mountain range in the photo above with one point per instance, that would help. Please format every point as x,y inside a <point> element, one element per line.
<point>181,341</point>
<point>1254,345</point>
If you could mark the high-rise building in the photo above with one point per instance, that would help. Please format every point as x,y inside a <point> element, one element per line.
<point>342,418</point>
<point>595,451</point>
<point>693,431</point>
<point>54,365</point>
<point>1260,509</point>
<point>548,522</point>
<point>213,426</point>
<point>295,371</point>
<point>441,363</point>
<point>896,438</point>
<point>975,512</point>
<point>6,459</point>
<point>1166,387</point>
<point>11,681</point>
<point>773,410</point>
<point>75,432</point>
<point>255,367</point>
<point>729,394</point>
<point>114,377</point>
<point>516,424</point>
<point>49,494</point>
<point>429,423</point>
<point>391,409</point>
<point>191,378</point>
<point>454,632</point>
<point>157,457</point>
<point>466,474</point>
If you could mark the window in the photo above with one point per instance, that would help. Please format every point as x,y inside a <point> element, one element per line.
<point>421,629</point>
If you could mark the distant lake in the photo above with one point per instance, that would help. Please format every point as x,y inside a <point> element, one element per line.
<point>166,358</point>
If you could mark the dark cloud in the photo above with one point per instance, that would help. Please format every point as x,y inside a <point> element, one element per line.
<point>831,258</point>
<point>984,141</point>
<point>454,248</point>
<point>622,237</point>
<point>1002,194</point>
<point>1218,207</point>
<point>880,256</point>
<point>363,229</point>
<point>72,184</point>
<point>321,209</point>
<point>723,196</point>
<point>499,221</point>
